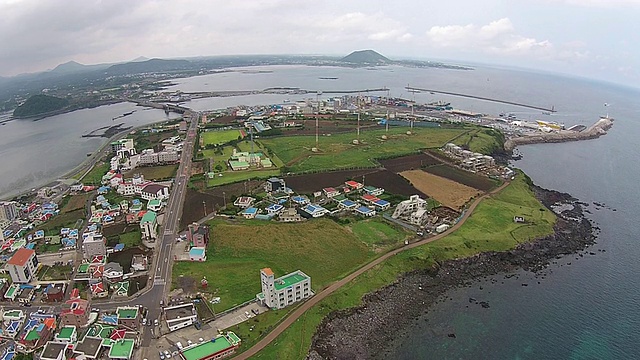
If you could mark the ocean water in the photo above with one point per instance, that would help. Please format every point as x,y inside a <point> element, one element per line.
<point>586,310</point>
<point>33,153</point>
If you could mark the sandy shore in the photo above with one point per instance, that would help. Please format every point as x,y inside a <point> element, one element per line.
<point>363,332</point>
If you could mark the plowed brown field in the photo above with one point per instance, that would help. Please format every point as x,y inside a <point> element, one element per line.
<point>445,191</point>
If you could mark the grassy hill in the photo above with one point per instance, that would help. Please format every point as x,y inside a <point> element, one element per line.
<point>40,104</point>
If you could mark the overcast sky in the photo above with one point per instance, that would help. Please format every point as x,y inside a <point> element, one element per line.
<point>592,38</point>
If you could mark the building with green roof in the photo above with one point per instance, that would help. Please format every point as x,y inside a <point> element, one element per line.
<point>149,225</point>
<point>220,347</point>
<point>285,290</point>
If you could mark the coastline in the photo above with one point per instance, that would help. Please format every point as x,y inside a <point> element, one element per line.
<point>362,332</point>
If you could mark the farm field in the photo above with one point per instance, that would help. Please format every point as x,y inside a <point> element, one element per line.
<point>75,202</point>
<point>337,151</point>
<point>219,137</point>
<point>409,162</point>
<point>321,248</point>
<point>229,177</point>
<point>162,172</point>
<point>479,182</point>
<point>447,192</point>
<point>94,176</point>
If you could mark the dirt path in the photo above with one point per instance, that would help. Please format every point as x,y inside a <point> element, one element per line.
<point>340,283</point>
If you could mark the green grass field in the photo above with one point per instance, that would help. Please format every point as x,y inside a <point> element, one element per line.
<point>215,137</point>
<point>337,151</point>
<point>229,177</point>
<point>321,248</point>
<point>484,141</point>
<point>489,228</point>
<point>94,177</point>
<point>162,172</point>
<point>131,239</point>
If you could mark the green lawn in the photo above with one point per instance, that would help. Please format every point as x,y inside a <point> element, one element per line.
<point>490,228</point>
<point>377,233</point>
<point>338,151</point>
<point>218,158</point>
<point>94,177</point>
<point>219,137</point>
<point>68,219</point>
<point>131,239</point>
<point>321,248</point>
<point>229,177</point>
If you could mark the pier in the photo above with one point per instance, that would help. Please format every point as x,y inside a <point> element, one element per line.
<point>595,131</point>
<point>414,89</point>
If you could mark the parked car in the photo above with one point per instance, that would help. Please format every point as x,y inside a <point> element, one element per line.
<point>161,356</point>
<point>155,322</point>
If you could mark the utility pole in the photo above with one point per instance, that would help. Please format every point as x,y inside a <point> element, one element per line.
<point>204,204</point>
<point>224,199</point>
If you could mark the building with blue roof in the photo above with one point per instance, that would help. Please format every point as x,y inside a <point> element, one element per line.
<point>347,204</point>
<point>274,209</point>
<point>365,211</point>
<point>381,204</point>
<point>313,211</point>
<point>249,213</point>
<point>300,200</point>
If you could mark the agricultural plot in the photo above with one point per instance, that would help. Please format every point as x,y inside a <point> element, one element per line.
<point>338,151</point>
<point>447,192</point>
<point>410,162</point>
<point>162,172</point>
<point>475,181</point>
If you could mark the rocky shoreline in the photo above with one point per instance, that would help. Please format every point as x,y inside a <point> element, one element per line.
<point>363,332</point>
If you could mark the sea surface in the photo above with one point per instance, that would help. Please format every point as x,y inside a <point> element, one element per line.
<point>34,153</point>
<point>589,309</point>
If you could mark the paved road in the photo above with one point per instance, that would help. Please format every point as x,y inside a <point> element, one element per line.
<point>340,283</point>
<point>160,270</point>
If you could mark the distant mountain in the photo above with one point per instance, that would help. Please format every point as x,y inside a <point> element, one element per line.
<point>40,104</point>
<point>140,59</point>
<point>365,57</point>
<point>75,67</point>
<point>148,66</point>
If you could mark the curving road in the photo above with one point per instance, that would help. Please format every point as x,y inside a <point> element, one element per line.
<point>340,283</point>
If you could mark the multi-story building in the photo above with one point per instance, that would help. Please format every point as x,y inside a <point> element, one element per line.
<point>122,144</point>
<point>128,317</point>
<point>93,245</point>
<point>407,207</point>
<point>154,191</point>
<point>198,235</point>
<point>148,157</point>
<point>285,290</point>
<point>22,265</point>
<point>180,316</point>
<point>168,156</point>
<point>274,184</point>
<point>149,225</point>
<point>8,210</point>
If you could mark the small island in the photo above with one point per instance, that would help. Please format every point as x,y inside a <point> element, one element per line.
<point>38,105</point>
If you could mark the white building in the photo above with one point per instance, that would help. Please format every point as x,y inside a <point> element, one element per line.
<point>154,191</point>
<point>407,207</point>
<point>22,266</point>
<point>93,245</point>
<point>149,225</point>
<point>168,156</point>
<point>283,291</point>
<point>180,316</point>
<point>122,144</point>
<point>148,157</point>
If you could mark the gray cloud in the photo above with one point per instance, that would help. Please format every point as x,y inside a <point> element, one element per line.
<point>36,35</point>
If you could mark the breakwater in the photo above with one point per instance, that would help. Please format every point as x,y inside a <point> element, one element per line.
<point>595,131</point>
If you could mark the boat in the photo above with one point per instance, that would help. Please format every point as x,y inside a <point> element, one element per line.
<point>89,154</point>
<point>328,78</point>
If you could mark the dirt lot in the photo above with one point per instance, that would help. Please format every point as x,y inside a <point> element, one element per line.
<point>447,192</point>
<point>410,162</point>
<point>479,182</point>
<point>224,120</point>
<point>76,202</point>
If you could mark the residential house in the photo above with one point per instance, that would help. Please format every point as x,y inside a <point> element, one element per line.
<point>128,317</point>
<point>274,184</point>
<point>139,262</point>
<point>113,272</point>
<point>75,312</point>
<point>313,211</point>
<point>54,292</point>
<point>373,191</point>
<point>289,215</point>
<point>198,235</point>
<point>54,351</point>
<point>243,202</point>
<point>274,209</point>
<point>93,244</point>
<point>249,213</point>
<point>365,211</point>
<point>330,192</point>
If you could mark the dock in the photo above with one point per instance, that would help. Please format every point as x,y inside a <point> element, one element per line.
<point>595,131</point>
